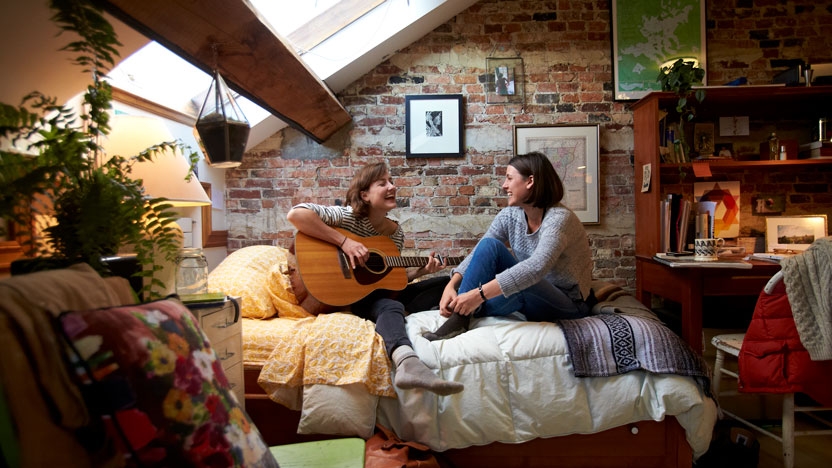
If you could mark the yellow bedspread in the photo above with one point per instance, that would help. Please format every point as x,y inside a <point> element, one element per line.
<point>332,349</point>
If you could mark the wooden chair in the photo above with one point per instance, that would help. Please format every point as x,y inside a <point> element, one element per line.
<point>730,344</point>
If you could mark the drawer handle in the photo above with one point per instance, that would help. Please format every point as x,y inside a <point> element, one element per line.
<point>634,430</point>
<point>223,325</point>
<point>226,355</point>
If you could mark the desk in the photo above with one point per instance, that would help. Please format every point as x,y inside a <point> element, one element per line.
<point>688,286</point>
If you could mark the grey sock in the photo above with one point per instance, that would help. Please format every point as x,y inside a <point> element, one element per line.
<point>455,325</point>
<point>411,372</point>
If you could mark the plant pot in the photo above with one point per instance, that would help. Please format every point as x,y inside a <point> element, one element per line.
<point>222,127</point>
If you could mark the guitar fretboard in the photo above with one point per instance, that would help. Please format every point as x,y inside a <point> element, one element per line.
<point>407,262</point>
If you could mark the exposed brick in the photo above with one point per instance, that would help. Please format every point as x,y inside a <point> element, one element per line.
<point>568,78</point>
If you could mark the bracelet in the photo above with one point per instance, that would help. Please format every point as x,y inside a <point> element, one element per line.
<point>482,294</point>
<point>342,242</point>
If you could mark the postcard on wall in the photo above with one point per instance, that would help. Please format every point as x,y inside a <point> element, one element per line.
<point>727,210</point>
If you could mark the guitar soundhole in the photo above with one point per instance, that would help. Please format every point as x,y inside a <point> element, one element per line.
<point>375,264</point>
<point>374,270</point>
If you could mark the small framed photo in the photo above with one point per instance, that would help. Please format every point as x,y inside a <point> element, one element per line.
<point>724,150</point>
<point>504,80</point>
<point>433,126</point>
<point>574,151</point>
<point>793,233</point>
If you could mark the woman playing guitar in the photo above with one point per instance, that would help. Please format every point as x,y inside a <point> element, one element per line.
<point>371,196</point>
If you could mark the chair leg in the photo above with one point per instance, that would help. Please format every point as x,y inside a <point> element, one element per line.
<point>788,430</point>
<point>718,363</point>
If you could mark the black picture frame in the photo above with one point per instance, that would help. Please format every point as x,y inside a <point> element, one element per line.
<point>433,126</point>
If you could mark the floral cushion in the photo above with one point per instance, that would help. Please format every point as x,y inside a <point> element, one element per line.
<point>151,375</point>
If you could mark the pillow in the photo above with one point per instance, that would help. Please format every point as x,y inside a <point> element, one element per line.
<point>287,290</point>
<point>149,374</point>
<point>345,410</point>
<point>255,274</point>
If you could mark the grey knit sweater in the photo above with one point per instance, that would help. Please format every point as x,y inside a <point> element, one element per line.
<point>808,278</point>
<point>558,251</point>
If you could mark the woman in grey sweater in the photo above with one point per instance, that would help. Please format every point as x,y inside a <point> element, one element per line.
<point>534,259</point>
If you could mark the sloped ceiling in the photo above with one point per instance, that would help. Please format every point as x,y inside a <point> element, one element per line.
<point>253,59</point>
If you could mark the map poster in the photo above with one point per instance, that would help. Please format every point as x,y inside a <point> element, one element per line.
<point>647,34</point>
<point>574,152</point>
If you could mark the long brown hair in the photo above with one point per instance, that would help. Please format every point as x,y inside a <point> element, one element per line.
<point>361,182</point>
<point>547,190</point>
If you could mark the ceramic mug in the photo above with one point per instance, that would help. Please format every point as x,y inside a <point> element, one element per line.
<point>707,250</point>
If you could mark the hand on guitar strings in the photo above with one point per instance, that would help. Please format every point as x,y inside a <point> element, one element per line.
<point>357,252</point>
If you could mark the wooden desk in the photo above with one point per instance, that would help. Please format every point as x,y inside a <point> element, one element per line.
<point>688,287</point>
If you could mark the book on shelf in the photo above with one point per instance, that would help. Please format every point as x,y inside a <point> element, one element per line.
<point>674,215</point>
<point>816,149</point>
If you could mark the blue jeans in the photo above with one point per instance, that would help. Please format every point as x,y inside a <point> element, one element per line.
<point>542,302</point>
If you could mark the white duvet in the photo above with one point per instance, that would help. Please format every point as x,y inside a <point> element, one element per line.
<point>519,385</point>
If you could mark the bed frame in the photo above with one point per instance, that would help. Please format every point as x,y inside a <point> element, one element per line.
<point>646,444</point>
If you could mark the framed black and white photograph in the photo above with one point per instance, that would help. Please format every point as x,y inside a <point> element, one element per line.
<point>793,233</point>
<point>574,151</point>
<point>647,35</point>
<point>433,126</point>
<point>504,80</point>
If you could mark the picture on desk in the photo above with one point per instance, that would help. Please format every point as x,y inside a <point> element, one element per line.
<point>794,233</point>
<point>726,194</point>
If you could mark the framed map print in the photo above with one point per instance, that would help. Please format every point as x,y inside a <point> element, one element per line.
<point>574,151</point>
<point>649,34</point>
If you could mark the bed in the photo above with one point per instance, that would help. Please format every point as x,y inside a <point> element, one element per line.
<point>536,394</point>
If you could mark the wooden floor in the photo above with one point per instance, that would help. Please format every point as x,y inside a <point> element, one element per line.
<point>810,451</point>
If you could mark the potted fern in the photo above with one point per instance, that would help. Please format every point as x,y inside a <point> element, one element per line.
<point>52,165</point>
<point>680,78</point>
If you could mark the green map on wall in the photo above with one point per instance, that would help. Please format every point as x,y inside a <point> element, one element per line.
<point>649,33</point>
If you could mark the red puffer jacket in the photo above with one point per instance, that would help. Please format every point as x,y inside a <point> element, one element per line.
<point>772,359</point>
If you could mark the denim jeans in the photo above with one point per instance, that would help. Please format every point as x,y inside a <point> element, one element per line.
<point>542,302</point>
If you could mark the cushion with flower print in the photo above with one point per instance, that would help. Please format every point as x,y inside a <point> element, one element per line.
<point>158,390</point>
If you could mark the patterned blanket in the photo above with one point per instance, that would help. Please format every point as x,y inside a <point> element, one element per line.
<point>622,335</point>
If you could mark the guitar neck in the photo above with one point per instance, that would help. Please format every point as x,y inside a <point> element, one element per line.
<point>407,262</point>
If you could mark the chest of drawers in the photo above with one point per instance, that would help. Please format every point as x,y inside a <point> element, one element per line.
<point>220,321</point>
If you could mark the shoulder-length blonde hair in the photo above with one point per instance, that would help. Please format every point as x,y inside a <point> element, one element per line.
<point>360,183</point>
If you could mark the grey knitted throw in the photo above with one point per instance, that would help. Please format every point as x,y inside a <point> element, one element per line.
<point>808,278</point>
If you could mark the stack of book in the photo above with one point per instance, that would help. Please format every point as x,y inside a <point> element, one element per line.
<point>674,213</point>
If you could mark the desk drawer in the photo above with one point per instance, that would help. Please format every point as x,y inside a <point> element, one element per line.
<point>229,350</point>
<point>220,324</point>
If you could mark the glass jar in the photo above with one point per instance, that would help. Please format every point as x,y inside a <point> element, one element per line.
<point>191,272</point>
<point>773,147</point>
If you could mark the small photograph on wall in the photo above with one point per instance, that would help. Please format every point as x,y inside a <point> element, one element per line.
<point>768,204</point>
<point>727,211</point>
<point>504,80</point>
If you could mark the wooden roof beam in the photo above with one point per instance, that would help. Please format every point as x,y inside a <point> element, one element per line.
<point>251,57</point>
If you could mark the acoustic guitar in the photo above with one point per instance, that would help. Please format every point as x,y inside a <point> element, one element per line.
<point>329,278</point>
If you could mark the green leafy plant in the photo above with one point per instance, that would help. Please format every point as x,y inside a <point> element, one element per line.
<point>680,78</point>
<point>62,172</point>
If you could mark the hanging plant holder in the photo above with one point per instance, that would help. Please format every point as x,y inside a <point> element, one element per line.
<point>222,127</point>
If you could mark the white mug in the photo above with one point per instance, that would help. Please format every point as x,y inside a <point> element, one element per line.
<point>707,250</point>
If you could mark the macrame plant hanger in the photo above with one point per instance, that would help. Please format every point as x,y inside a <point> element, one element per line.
<point>222,127</point>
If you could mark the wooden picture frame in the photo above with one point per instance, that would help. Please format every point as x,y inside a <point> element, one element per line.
<point>504,80</point>
<point>793,233</point>
<point>433,126</point>
<point>574,151</point>
<point>210,237</point>
<point>675,30</point>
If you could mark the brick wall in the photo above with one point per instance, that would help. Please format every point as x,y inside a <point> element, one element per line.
<point>447,203</point>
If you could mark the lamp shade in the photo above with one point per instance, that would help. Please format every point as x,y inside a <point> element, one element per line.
<point>164,176</point>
